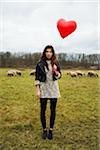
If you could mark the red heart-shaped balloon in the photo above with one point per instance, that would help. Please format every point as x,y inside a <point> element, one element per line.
<point>66,27</point>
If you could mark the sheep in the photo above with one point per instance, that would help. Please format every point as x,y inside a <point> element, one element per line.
<point>32,72</point>
<point>79,73</point>
<point>75,73</point>
<point>92,74</point>
<point>72,74</point>
<point>18,72</point>
<point>11,73</point>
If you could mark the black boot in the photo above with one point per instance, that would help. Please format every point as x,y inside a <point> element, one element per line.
<point>50,135</point>
<point>44,134</point>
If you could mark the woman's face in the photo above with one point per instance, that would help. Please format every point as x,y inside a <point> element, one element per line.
<point>49,53</point>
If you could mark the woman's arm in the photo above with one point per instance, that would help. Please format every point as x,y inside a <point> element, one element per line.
<point>37,82</point>
<point>38,90</point>
<point>57,71</point>
<point>37,75</point>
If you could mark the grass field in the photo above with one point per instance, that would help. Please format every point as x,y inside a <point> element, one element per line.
<point>77,115</point>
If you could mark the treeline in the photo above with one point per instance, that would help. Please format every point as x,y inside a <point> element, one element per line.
<point>29,60</point>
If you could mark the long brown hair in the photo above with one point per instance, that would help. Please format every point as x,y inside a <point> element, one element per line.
<point>53,58</point>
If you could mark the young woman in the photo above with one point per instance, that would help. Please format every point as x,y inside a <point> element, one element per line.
<point>47,73</point>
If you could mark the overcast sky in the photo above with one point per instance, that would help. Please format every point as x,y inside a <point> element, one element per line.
<point>30,26</point>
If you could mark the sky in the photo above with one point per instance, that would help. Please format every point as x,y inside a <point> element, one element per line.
<point>28,26</point>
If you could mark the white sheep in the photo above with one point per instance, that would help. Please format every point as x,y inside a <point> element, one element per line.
<point>18,72</point>
<point>11,73</point>
<point>79,73</point>
<point>72,73</point>
<point>92,74</point>
<point>33,72</point>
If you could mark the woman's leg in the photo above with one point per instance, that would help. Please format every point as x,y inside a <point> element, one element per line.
<point>43,104</point>
<point>53,103</point>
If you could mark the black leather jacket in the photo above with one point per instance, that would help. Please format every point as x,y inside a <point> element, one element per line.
<point>41,74</point>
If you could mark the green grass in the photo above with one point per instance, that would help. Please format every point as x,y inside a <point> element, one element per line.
<point>77,114</point>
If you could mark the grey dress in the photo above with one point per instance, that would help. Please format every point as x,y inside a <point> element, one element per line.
<point>50,88</point>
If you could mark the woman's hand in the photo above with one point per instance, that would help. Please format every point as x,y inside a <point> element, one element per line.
<point>55,70</point>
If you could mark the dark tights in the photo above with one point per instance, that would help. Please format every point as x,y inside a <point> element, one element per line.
<point>43,105</point>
